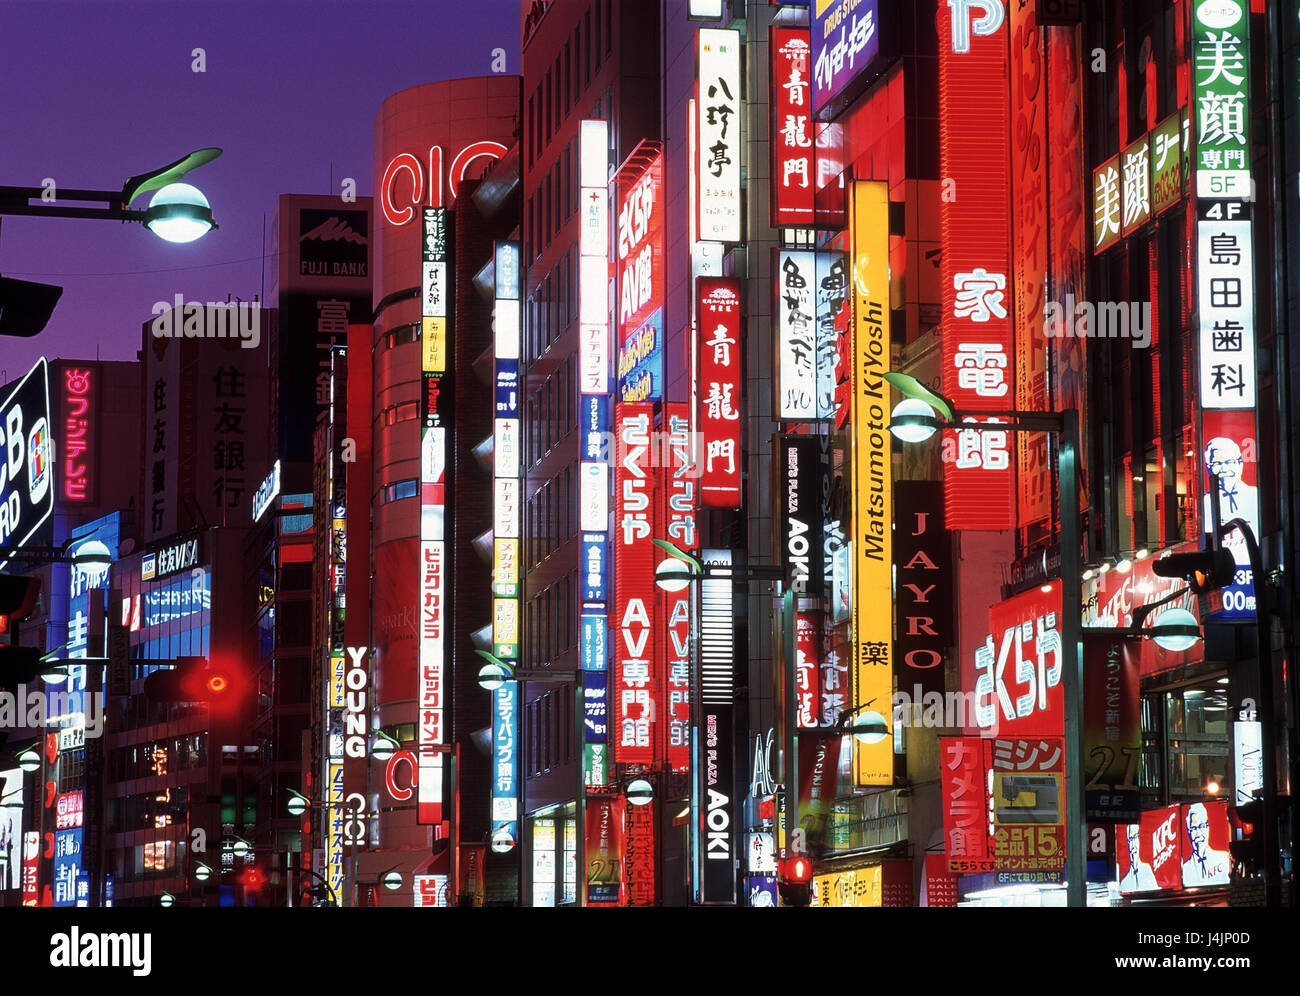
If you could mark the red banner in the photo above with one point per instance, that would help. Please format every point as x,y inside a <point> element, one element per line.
<point>974,218</point>
<point>604,818</point>
<point>720,388</point>
<point>966,815</point>
<point>638,642</point>
<point>1149,853</point>
<point>639,855</point>
<point>793,165</point>
<point>940,883</point>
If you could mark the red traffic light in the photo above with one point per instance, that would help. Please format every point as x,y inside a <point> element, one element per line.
<point>194,679</point>
<point>252,878</point>
<point>797,870</point>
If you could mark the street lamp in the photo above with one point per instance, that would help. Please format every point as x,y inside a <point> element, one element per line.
<point>166,899</point>
<point>202,872</point>
<point>1066,426</point>
<point>497,672</point>
<point>177,213</point>
<point>383,747</point>
<point>29,760</point>
<point>639,792</point>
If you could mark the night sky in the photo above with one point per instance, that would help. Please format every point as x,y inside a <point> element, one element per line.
<point>95,91</point>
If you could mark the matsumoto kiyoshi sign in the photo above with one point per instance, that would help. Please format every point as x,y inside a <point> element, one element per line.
<point>26,460</point>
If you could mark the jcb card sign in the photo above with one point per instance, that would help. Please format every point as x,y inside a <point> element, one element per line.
<point>26,460</point>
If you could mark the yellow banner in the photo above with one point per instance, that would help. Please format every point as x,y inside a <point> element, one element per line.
<point>336,680</point>
<point>873,602</point>
<point>505,627</point>
<point>856,887</point>
<point>434,338</point>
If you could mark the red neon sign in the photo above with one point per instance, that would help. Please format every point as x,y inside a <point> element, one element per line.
<point>719,317</point>
<point>638,642</point>
<point>404,164</point>
<point>676,508</point>
<point>976,278</point>
<point>78,432</point>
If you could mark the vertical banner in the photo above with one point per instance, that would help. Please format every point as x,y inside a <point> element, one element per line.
<point>505,764</point>
<point>799,479</point>
<point>678,503</point>
<point>1112,727</point>
<point>637,640</point>
<point>807,657</point>
<point>714,836</point>
<point>796,335</point>
<point>1029,151</point>
<point>966,816</point>
<point>793,189</point>
<point>873,623</point>
<point>1028,782</point>
<point>720,386</point>
<point>640,245</point>
<point>435,412</point>
<point>974,217</point>
<point>639,854</point>
<point>604,817</point>
<point>923,570</point>
<point>834,327</point>
<point>718,137</point>
<point>594,349</point>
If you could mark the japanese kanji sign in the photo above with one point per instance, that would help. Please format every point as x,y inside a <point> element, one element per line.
<point>796,331</point>
<point>676,510</point>
<point>718,138</point>
<point>640,265</point>
<point>1167,181</point>
<point>1017,673</point>
<point>966,815</point>
<point>1135,170</point>
<point>719,390</point>
<point>845,40</point>
<point>1221,98</point>
<point>1112,727</point>
<point>1225,280</point>
<point>793,161</point>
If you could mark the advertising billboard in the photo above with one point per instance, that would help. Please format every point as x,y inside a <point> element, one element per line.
<point>793,160</point>
<point>638,649</point>
<point>1017,673</point>
<point>923,570</point>
<point>26,460</point>
<point>974,227</point>
<point>720,385</point>
<point>640,267</point>
<point>799,519</point>
<point>676,506</point>
<point>873,617</point>
<point>1112,727</point>
<point>714,831</point>
<point>796,334</point>
<point>845,40</point>
<point>718,136</point>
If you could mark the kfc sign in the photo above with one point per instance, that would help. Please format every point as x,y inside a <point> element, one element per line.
<point>407,184</point>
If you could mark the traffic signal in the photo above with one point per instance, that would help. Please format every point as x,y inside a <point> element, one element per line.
<point>195,679</point>
<point>1248,852</point>
<point>795,881</point>
<point>18,600</point>
<point>1204,570</point>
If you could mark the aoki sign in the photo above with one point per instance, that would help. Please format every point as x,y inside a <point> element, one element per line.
<point>409,183</point>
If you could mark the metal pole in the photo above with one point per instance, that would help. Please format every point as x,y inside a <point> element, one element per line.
<point>1076,848</point>
<point>789,719</point>
<point>580,799</point>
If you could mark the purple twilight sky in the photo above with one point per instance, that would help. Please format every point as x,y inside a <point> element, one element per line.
<point>95,91</point>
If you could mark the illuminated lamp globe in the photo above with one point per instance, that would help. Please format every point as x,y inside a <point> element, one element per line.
<point>640,792</point>
<point>202,873</point>
<point>240,848</point>
<point>54,673</point>
<point>673,575</point>
<point>502,841</point>
<point>179,213</point>
<point>870,727</point>
<point>492,676</point>
<point>29,760</point>
<point>392,881</point>
<point>383,748</point>
<point>166,899</point>
<point>92,553</point>
<point>297,805</point>
<point>1176,641</point>
<point>913,421</point>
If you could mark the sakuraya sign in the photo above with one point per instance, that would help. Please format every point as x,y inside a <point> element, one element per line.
<point>427,178</point>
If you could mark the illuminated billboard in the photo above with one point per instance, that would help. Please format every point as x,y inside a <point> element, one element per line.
<point>718,138</point>
<point>796,335</point>
<point>640,266</point>
<point>873,616</point>
<point>676,508</point>
<point>27,468</point>
<point>974,228</point>
<point>845,40</point>
<point>718,301</point>
<point>793,161</point>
